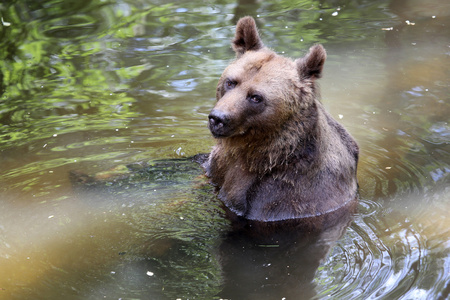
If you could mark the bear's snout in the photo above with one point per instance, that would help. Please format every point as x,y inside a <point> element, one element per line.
<point>218,122</point>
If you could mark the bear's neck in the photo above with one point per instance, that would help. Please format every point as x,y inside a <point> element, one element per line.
<point>294,146</point>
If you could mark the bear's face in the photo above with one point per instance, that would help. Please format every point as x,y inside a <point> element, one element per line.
<point>255,93</point>
<point>260,90</point>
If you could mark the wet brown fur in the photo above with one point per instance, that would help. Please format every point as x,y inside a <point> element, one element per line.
<point>284,157</point>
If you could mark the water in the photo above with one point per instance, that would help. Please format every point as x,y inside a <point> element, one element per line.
<point>96,85</point>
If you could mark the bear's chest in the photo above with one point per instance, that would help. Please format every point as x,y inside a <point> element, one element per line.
<point>233,179</point>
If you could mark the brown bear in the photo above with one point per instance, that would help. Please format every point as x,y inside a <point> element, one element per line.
<point>279,154</point>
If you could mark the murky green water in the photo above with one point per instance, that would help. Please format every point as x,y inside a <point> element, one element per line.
<point>93,85</point>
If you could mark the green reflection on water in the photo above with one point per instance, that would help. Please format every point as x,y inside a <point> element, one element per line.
<point>47,76</point>
<point>90,85</point>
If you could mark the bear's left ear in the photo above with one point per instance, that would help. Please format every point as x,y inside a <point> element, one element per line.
<point>310,66</point>
<point>247,37</point>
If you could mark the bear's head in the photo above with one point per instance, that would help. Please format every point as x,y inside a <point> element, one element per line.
<point>260,91</point>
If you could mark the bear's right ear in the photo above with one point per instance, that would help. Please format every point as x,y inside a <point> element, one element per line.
<point>310,66</point>
<point>247,37</point>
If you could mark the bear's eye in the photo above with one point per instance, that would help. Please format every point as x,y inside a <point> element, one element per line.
<point>230,84</point>
<point>256,99</point>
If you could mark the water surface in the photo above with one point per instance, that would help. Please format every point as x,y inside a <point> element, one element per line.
<point>98,85</point>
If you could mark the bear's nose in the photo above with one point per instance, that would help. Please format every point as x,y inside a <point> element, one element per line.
<point>217,119</point>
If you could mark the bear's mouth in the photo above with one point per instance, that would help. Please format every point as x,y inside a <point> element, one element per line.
<point>223,126</point>
<point>219,124</point>
<point>218,136</point>
<point>219,133</point>
<point>223,133</point>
